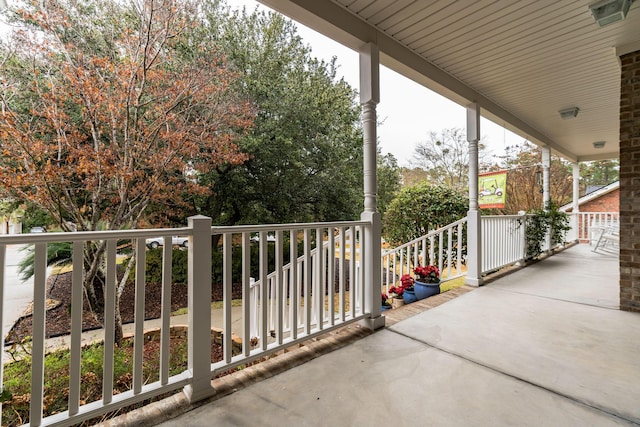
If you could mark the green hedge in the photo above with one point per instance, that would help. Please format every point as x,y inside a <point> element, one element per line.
<point>180,263</point>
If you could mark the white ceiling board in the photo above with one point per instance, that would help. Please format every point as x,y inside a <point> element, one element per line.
<point>522,61</point>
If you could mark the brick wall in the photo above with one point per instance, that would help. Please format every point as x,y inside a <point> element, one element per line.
<point>630,182</point>
<point>609,202</point>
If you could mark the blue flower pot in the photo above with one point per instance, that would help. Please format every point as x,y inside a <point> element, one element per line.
<point>409,296</point>
<point>386,307</point>
<point>425,290</point>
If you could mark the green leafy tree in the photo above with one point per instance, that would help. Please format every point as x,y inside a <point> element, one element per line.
<point>34,216</point>
<point>30,214</point>
<point>420,209</point>
<point>601,172</point>
<point>305,148</point>
<point>389,179</point>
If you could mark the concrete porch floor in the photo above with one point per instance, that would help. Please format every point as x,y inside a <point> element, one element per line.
<point>543,346</point>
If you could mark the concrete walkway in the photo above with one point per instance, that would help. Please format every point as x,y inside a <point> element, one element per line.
<point>543,346</point>
<point>17,294</point>
<point>97,335</point>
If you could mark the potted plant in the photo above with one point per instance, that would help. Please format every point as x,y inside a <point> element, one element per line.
<point>386,302</point>
<point>395,292</point>
<point>427,281</point>
<point>408,293</point>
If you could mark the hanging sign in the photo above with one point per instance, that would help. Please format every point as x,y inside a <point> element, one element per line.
<point>492,188</point>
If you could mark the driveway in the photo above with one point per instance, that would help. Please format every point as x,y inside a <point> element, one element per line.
<point>17,294</point>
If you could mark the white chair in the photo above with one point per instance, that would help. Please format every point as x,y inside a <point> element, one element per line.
<point>609,239</point>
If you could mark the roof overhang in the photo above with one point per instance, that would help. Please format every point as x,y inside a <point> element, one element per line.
<point>409,36</point>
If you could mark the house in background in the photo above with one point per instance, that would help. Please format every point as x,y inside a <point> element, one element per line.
<point>601,207</point>
<point>11,223</point>
<point>602,199</point>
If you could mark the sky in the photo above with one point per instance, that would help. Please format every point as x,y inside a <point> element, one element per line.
<point>407,110</point>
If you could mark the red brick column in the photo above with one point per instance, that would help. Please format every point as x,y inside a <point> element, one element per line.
<point>630,182</point>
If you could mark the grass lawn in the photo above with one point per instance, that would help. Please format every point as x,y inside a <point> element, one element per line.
<point>451,284</point>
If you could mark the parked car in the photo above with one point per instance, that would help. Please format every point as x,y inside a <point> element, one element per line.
<point>37,230</point>
<point>256,238</point>
<point>175,240</point>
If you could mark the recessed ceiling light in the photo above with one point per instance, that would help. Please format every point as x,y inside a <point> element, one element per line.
<point>569,113</point>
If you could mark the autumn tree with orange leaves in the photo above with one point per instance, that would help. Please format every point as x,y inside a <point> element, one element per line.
<point>107,107</point>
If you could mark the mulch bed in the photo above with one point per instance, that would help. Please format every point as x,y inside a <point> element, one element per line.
<point>58,320</point>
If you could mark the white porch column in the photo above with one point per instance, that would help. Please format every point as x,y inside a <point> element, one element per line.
<point>576,198</point>
<point>474,226</point>
<point>546,188</point>
<point>199,284</point>
<point>546,183</point>
<point>371,264</point>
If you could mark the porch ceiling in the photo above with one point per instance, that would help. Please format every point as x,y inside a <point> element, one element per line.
<point>521,61</point>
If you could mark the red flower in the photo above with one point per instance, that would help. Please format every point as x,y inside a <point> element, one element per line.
<point>396,291</point>
<point>428,274</point>
<point>407,282</point>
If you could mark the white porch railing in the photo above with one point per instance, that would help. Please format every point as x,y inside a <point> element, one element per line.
<point>503,244</point>
<point>322,289</point>
<point>584,224</point>
<point>503,241</point>
<point>443,248</point>
<point>339,256</point>
<point>304,295</point>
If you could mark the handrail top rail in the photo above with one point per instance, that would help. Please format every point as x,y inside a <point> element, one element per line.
<point>284,227</point>
<point>507,216</point>
<point>81,236</point>
<point>78,236</point>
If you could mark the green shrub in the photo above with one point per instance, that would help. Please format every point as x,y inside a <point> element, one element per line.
<point>536,230</point>
<point>542,221</point>
<point>179,266</point>
<point>58,254</point>
<point>559,223</point>
<point>423,208</point>
<point>180,263</point>
<point>420,209</point>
